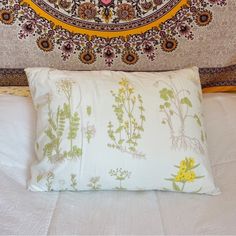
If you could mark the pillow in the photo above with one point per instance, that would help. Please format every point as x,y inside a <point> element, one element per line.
<point>115,130</point>
<point>17,125</point>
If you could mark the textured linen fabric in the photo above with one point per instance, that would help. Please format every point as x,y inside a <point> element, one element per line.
<point>185,33</point>
<point>116,131</point>
<point>130,213</point>
<point>213,45</point>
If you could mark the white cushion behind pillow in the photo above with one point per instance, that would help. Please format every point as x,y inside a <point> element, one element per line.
<point>17,125</point>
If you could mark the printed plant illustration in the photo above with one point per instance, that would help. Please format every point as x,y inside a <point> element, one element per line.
<point>120,175</point>
<point>94,183</point>
<point>49,180</point>
<point>57,127</point>
<point>185,174</point>
<point>39,178</point>
<point>126,131</point>
<point>73,182</point>
<point>176,108</point>
<point>89,130</point>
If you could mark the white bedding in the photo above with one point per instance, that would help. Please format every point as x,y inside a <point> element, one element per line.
<point>24,212</point>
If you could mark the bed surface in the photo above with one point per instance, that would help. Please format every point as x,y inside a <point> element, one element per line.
<point>153,212</point>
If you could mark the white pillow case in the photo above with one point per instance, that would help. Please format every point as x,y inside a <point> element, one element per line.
<point>17,125</point>
<point>115,130</point>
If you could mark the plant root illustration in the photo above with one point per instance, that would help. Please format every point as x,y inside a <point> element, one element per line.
<point>176,109</point>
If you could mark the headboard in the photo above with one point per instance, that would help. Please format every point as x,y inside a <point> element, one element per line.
<point>210,77</point>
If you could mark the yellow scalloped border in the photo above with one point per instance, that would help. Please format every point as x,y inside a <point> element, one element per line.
<point>22,91</point>
<point>219,89</point>
<point>106,34</point>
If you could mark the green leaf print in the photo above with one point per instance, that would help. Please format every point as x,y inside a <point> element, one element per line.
<point>94,183</point>
<point>166,94</point>
<point>37,146</point>
<point>120,175</point>
<point>186,101</point>
<point>73,182</point>
<point>196,117</point>
<point>39,178</point>
<point>57,127</point>
<point>89,110</point>
<point>74,126</point>
<point>185,175</point>
<point>176,187</point>
<point>54,133</point>
<point>129,111</point>
<point>176,106</point>
<point>49,180</point>
<point>89,129</point>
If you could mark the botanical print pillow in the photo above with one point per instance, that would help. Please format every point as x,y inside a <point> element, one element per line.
<point>107,130</point>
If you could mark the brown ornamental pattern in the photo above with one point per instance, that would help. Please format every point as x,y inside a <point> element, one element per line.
<point>87,11</point>
<point>125,12</point>
<point>108,29</point>
<point>6,17</point>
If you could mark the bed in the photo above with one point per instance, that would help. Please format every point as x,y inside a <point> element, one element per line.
<point>109,212</point>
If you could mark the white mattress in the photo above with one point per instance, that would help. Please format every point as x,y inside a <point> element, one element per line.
<point>24,212</point>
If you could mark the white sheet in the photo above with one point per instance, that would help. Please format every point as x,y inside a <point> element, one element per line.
<point>24,212</point>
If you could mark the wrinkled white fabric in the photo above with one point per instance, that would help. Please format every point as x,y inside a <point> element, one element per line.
<point>151,212</point>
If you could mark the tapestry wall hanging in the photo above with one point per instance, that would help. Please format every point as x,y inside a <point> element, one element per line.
<point>116,34</point>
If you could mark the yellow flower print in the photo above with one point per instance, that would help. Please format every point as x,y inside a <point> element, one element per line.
<point>191,162</point>
<point>189,176</point>
<point>182,166</point>
<point>185,174</point>
<point>183,163</point>
<point>124,82</point>
<point>121,90</point>
<point>131,90</point>
<point>125,132</point>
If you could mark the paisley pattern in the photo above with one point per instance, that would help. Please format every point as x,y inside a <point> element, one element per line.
<point>108,29</point>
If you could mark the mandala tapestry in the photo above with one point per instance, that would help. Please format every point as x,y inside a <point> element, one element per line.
<point>108,30</point>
